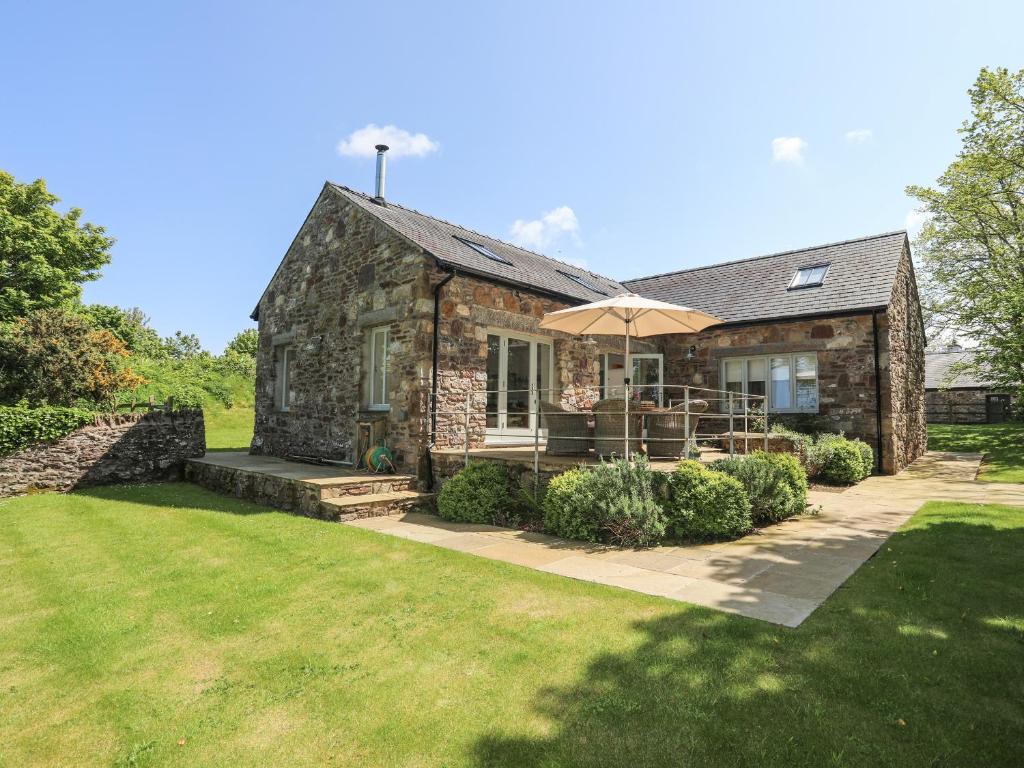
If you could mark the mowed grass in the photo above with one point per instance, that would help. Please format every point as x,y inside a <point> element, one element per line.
<point>1002,444</point>
<point>229,429</point>
<point>165,625</point>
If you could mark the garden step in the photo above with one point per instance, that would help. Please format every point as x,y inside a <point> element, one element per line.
<point>354,507</point>
<point>360,485</point>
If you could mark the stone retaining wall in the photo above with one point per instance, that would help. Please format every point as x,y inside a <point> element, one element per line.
<point>121,448</point>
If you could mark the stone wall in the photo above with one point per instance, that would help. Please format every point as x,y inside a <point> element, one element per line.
<point>344,274</point>
<point>905,430</point>
<point>846,367</point>
<point>469,309</point>
<point>124,448</point>
<point>955,406</point>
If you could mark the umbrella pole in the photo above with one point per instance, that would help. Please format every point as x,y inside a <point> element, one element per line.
<point>629,376</point>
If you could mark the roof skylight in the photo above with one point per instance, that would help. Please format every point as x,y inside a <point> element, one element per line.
<point>582,282</point>
<point>483,250</point>
<point>808,277</point>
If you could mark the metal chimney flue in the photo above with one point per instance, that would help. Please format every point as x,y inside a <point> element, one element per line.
<point>381,169</point>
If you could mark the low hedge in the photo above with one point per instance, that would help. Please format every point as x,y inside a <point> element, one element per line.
<point>614,502</point>
<point>775,483</point>
<point>703,504</point>
<point>835,459</point>
<point>21,426</point>
<point>482,492</point>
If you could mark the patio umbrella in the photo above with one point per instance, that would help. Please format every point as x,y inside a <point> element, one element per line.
<point>628,315</point>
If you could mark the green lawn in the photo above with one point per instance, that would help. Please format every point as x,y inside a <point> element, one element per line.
<point>1002,444</point>
<point>165,625</point>
<point>228,429</point>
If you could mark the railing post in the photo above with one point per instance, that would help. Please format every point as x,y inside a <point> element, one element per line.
<point>764,409</point>
<point>465,430</point>
<point>686,427</point>
<point>536,442</point>
<point>746,426</point>
<point>732,431</point>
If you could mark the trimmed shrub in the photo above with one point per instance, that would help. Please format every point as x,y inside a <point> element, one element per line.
<point>614,502</point>
<point>569,510</point>
<point>21,426</point>
<point>480,493</point>
<point>838,460</point>
<point>706,505</point>
<point>793,472</point>
<point>774,492</point>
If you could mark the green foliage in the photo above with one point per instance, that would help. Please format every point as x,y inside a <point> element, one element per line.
<point>837,460</point>
<point>482,492</point>
<point>774,491</point>
<point>183,346</point>
<point>21,426</point>
<point>569,509</point>
<point>130,326</point>
<point>45,256</point>
<point>225,381</point>
<point>613,502</point>
<point>246,343</point>
<point>704,505</point>
<point>55,357</point>
<point>972,245</point>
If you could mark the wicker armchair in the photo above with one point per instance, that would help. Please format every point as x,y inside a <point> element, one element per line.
<point>610,427</point>
<point>568,431</point>
<point>666,432</point>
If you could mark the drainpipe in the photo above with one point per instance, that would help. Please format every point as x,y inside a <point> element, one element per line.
<point>878,393</point>
<point>433,388</point>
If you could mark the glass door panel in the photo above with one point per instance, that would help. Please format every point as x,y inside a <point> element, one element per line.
<point>781,381</point>
<point>518,384</point>
<point>493,379</point>
<point>647,377</point>
<point>544,385</point>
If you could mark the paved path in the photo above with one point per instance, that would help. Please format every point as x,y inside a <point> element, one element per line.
<point>779,575</point>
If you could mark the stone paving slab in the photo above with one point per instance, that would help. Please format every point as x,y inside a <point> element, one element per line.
<point>779,574</point>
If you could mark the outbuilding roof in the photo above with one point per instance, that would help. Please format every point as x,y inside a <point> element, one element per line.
<point>939,374</point>
<point>859,276</point>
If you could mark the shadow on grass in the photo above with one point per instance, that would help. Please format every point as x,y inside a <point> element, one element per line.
<point>177,495</point>
<point>915,662</point>
<point>1002,444</point>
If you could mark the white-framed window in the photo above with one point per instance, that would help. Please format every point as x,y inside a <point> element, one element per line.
<point>790,381</point>
<point>809,277</point>
<point>379,340</point>
<point>284,360</point>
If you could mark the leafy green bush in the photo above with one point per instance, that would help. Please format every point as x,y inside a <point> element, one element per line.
<point>774,491</point>
<point>793,472</point>
<point>705,505</point>
<point>21,426</point>
<point>835,459</point>
<point>480,493</point>
<point>613,502</point>
<point>867,457</point>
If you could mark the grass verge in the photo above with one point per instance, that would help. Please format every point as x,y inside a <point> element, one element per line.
<point>165,625</point>
<point>1002,444</point>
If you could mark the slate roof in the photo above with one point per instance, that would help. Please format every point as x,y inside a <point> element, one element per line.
<point>528,269</point>
<point>860,277</point>
<point>937,374</point>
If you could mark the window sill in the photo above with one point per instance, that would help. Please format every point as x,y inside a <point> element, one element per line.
<point>378,408</point>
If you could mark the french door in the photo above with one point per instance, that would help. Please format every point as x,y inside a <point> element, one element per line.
<point>518,372</point>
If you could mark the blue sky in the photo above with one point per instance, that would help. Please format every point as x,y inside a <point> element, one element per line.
<point>634,138</point>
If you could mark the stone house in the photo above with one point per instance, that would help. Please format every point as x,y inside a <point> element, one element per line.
<point>952,396</point>
<point>376,306</point>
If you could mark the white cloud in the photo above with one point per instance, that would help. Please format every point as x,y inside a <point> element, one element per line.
<point>538,234</point>
<point>788,149</point>
<point>859,135</point>
<point>361,143</point>
<point>914,221</point>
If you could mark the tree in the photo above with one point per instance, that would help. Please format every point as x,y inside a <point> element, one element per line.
<point>246,342</point>
<point>130,326</point>
<point>183,346</point>
<point>972,245</point>
<point>55,357</point>
<point>45,256</point>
